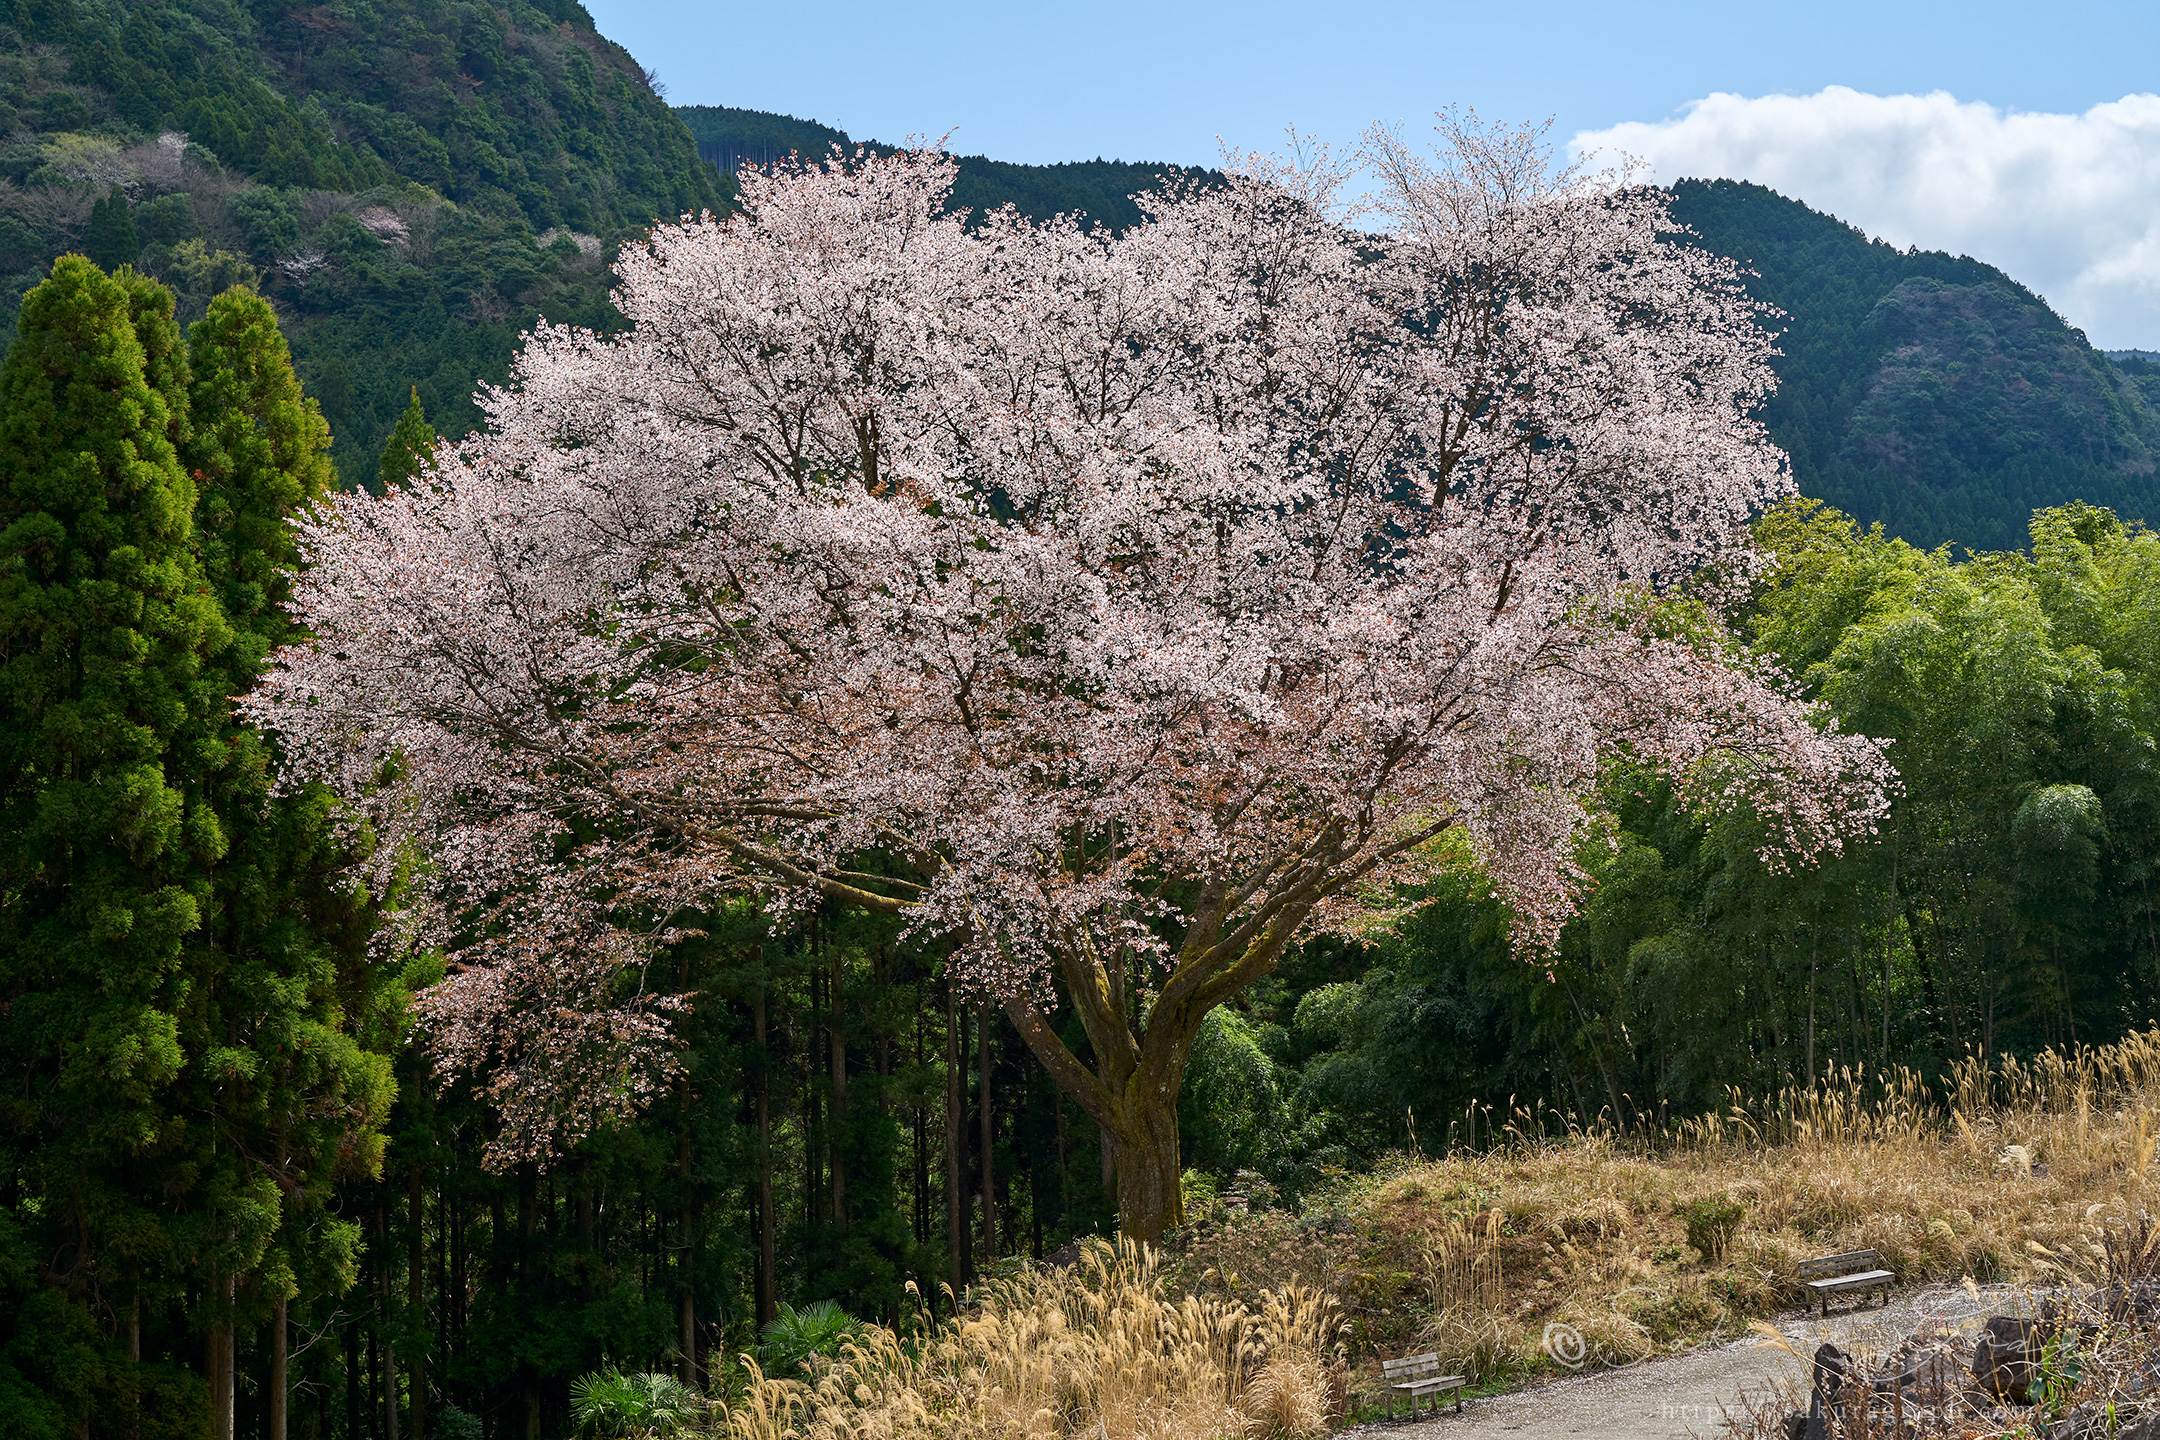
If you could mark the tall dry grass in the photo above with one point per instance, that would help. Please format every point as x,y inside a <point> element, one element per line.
<point>1100,1350</point>
<point>1565,1237</point>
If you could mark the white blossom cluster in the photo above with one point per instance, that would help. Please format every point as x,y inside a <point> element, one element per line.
<point>1112,604</point>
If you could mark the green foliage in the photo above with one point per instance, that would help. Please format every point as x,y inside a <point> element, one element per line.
<point>452,1423</point>
<point>608,1402</point>
<point>107,706</point>
<point>111,241</point>
<point>182,967</point>
<point>1231,1112</point>
<point>798,1334</point>
<point>410,450</point>
<point>1711,1221</point>
<point>260,452</point>
<point>268,220</point>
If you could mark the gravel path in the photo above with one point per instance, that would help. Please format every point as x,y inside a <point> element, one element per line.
<point>1684,1395</point>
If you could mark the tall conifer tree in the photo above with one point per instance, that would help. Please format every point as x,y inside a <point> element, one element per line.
<point>282,954</point>
<point>410,450</point>
<point>192,1039</point>
<point>108,699</point>
<point>111,239</point>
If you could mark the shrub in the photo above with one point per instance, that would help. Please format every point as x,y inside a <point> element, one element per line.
<point>1711,1222</point>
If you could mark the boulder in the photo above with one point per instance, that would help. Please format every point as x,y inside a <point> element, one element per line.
<point>1929,1373</point>
<point>2127,1300</point>
<point>2006,1358</point>
<point>2096,1421</point>
<point>1834,1372</point>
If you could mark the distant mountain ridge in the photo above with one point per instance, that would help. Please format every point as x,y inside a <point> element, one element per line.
<point>1100,189</point>
<point>415,184</point>
<point>1928,391</point>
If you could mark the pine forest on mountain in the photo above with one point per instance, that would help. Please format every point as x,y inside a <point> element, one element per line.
<point>254,257</point>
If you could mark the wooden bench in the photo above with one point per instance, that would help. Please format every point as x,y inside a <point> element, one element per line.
<point>1854,1270</point>
<point>1418,1376</point>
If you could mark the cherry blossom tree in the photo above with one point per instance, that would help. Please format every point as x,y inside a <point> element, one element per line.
<point>1114,608</point>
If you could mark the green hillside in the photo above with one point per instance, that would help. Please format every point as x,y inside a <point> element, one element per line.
<point>1930,391</point>
<point>1099,189</point>
<point>415,185</point>
<point>410,184</point>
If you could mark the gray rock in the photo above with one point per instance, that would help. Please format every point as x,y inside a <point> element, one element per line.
<point>1834,1373</point>
<point>2006,1358</point>
<point>2094,1420</point>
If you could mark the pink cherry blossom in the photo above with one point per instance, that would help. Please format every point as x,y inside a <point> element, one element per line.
<point>1117,607</point>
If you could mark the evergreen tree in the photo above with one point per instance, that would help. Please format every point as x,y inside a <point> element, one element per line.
<point>280,961</point>
<point>108,699</point>
<point>111,240</point>
<point>411,447</point>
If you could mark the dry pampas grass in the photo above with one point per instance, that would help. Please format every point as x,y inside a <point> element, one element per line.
<point>2006,1169</point>
<point>1099,1350</point>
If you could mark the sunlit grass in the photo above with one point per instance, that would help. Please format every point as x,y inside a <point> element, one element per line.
<point>2007,1170</point>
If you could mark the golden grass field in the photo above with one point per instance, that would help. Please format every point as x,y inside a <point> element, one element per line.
<point>1257,1325</point>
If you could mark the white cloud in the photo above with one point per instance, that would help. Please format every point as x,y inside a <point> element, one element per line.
<point>2067,204</point>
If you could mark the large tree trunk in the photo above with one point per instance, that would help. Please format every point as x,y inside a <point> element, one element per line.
<point>278,1385</point>
<point>956,1201</point>
<point>1236,937</point>
<point>1131,1089</point>
<point>1151,1173</point>
<point>1136,1111</point>
<point>220,1363</point>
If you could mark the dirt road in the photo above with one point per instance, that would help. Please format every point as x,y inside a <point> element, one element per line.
<point>1683,1395</point>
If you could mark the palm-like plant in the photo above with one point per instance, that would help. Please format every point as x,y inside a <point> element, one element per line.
<point>794,1335</point>
<point>609,1402</point>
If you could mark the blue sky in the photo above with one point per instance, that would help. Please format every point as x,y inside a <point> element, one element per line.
<point>1159,81</point>
<point>1997,130</point>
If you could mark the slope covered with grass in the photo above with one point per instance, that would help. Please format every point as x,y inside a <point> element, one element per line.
<point>1643,1244</point>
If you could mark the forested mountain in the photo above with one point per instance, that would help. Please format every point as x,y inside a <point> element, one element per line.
<point>1929,391</point>
<point>414,185</point>
<point>1100,189</point>
<point>411,185</point>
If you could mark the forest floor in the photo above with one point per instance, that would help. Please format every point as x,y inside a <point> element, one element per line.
<point>1683,1395</point>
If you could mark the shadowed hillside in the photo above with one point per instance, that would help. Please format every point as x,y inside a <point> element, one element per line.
<point>1930,391</point>
<point>1099,189</point>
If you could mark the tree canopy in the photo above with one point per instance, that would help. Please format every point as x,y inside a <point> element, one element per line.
<point>1151,573</point>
